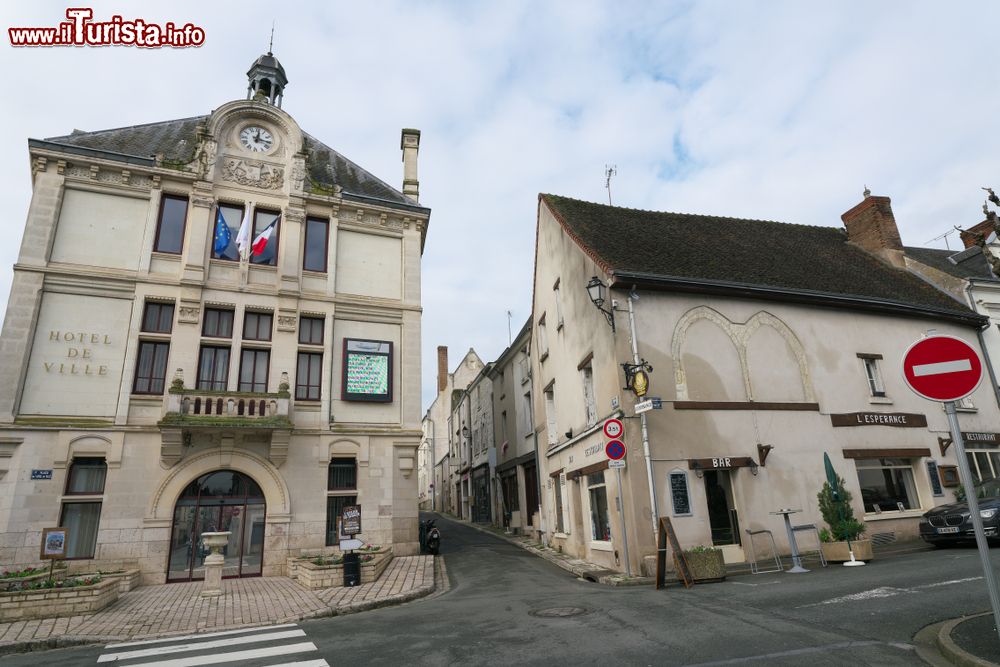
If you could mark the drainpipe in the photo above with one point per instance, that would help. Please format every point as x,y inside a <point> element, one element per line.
<point>982,344</point>
<point>645,430</point>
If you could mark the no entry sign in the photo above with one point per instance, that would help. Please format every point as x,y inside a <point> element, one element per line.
<point>942,368</point>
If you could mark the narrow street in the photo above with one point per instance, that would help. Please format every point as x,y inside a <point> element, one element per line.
<point>505,606</point>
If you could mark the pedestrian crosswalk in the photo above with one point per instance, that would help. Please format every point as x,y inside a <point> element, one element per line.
<point>271,646</point>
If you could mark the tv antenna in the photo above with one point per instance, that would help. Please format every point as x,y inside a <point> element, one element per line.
<point>270,44</point>
<point>942,236</point>
<point>510,338</point>
<point>608,173</point>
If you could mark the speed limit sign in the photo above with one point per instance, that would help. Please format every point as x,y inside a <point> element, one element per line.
<point>613,429</point>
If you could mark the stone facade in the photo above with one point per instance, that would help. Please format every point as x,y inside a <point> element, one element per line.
<point>88,269</point>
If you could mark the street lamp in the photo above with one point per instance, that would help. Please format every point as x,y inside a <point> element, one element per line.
<point>596,289</point>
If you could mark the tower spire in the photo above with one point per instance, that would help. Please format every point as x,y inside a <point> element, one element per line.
<point>270,45</point>
<point>267,78</point>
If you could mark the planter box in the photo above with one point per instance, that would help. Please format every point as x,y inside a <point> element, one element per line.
<point>315,577</point>
<point>706,565</point>
<point>59,574</point>
<point>837,552</point>
<point>127,581</point>
<point>56,603</point>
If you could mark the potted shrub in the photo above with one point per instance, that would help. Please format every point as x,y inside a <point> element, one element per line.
<point>705,563</point>
<point>845,532</point>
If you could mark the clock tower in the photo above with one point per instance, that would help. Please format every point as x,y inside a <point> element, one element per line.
<point>267,79</point>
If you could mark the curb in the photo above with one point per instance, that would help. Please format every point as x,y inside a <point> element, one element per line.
<point>64,641</point>
<point>953,651</point>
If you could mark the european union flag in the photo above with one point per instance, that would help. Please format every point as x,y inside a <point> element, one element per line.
<point>222,234</point>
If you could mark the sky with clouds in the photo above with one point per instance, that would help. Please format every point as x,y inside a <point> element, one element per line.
<point>774,110</point>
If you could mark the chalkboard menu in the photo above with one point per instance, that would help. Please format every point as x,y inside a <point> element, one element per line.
<point>932,474</point>
<point>679,493</point>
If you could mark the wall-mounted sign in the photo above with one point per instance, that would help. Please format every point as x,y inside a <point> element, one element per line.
<point>949,476</point>
<point>619,463</point>
<point>721,463</point>
<point>41,474</point>
<point>54,543</point>
<point>367,372</point>
<point>350,520</point>
<point>980,438</point>
<point>679,495</point>
<point>897,419</point>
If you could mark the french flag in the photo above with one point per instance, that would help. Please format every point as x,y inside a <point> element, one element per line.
<point>260,243</point>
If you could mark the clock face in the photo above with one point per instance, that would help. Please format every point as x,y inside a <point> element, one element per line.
<point>256,139</point>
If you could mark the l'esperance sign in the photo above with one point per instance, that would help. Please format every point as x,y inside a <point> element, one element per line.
<point>897,419</point>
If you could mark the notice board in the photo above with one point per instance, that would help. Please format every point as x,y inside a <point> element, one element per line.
<point>666,533</point>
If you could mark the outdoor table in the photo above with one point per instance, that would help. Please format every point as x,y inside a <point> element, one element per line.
<point>796,561</point>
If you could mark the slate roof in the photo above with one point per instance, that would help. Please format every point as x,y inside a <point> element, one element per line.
<point>734,252</point>
<point>177,140</point>
<point>965,264</point>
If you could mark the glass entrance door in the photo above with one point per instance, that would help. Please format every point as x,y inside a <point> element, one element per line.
<point>722,515</point>
<point>223,501</point>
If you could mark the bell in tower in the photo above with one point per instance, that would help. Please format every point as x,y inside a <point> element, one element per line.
<point>267,80</point>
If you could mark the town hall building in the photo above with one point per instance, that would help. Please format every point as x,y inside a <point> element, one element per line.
<point>214,325</point>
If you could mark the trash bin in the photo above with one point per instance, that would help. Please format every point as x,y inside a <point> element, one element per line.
<point>352,569</point>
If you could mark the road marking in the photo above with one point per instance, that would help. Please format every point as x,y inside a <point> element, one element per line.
<point>887,592</point>
<point>305,663</point>
<point>236,656</point>
<point>942,367</point>
<point>794,652</point>
<point>203,635</point>
<point>197,646</point>
<point>949,583</point>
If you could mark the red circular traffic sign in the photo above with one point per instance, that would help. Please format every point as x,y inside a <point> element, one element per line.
<point>613,428</point>
<point>615,449</point>
<point>942,368</point>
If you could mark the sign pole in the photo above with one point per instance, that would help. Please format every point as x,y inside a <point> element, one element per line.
<point>621,515</point>
<point>977,520</point>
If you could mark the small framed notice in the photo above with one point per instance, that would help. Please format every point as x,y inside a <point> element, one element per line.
<point>350,520</point>
<point>54,543</point>
<point>367,372</point>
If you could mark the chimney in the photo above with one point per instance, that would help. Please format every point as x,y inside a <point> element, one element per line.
<point>442,368</point>
<point>971,236</point>
<point>872,227</point>
<point>409,142</point>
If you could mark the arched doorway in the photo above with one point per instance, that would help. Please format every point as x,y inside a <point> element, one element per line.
<point>224,500</point>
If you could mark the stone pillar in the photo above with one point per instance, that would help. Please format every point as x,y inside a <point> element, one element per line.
<point>409,143</point>
<point>213,564</point>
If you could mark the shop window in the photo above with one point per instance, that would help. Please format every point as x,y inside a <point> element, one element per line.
<point>257,326</point>
<point>170,227</point>
<point>872,374</point>
<point>308,376</point>
<point>599,523</point>
<point>254,369</point>
<point>983,463</point>
<point>151,369</point>
<point>887,484</point>
<point>158,317</point>
<point>217,323</point>
<point>315,251</point>
<point>311,330</point>
<point>213,368</point>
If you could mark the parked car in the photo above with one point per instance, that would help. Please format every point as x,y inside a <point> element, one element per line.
<point>950,524</point>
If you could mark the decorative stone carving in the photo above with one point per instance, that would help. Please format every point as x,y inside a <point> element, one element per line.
<point>286,322</point>
<point>295,215</point>
<point>253,173</point>
<point>298,174</point>
<point>188,314</point>
<point>94,172</point>
<point>60,167</point>
<point>78,172</point>
<point>38,165</point>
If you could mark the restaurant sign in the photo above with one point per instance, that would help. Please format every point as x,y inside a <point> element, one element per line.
<point>897,419</point>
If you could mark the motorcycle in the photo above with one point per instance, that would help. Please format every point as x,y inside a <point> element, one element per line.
<point>432,536</point>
